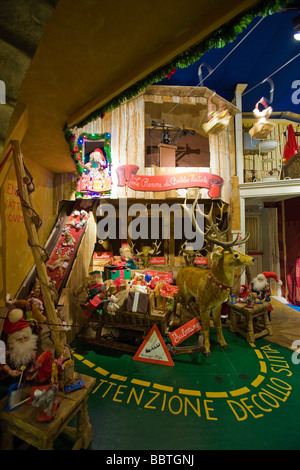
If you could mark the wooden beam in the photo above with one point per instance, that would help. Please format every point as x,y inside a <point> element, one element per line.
<point>30,220</point>
<point>16,131</point>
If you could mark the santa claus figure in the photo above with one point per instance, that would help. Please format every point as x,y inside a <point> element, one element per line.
<point>21,344</point>
<point>261,287</point>
<point>97,164</point>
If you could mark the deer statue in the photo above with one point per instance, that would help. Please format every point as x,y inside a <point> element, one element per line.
<point>188,253</point>
<point>211,287</point>
<point>147,252</point>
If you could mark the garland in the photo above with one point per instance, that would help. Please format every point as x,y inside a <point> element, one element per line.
<point>76,146</point>
<point>218,39</point>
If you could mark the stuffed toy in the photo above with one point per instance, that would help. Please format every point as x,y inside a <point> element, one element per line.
<point>61,259</point>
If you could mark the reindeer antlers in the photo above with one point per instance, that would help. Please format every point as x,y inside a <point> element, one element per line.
<point>155,249</point>
<point>213,234</point>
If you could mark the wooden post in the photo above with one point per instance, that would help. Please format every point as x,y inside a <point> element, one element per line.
<point>57,334</point>
<point>235,212</point>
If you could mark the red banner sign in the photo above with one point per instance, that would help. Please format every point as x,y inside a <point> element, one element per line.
<point>160,276</point>
<point>157,260</point>
<point>185,331</point>
<point>200,261</point>
<point>127,175</point>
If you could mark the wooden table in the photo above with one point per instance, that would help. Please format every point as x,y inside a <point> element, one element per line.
<point>246,320</point>
<point>23,422</point>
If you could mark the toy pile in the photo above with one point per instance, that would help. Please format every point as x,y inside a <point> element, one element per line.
<point>119,289</point>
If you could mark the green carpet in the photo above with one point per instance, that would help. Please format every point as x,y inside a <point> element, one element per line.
<point>246,398</point>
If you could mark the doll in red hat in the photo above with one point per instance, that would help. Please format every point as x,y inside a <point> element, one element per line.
<point>21,344</point>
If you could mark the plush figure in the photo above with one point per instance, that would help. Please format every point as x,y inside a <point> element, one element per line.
<point>61,259</point>
<point>126,251</point>
<point>37,303</point>
<point>244,292</point>
<point>44,366</point>
<point>261,286</point>
<point>94,278</point>
<point>127,255</point>
<point>97,163</point>
<point>21,342</point>
<point>32,310</point>
<point>69,240</point>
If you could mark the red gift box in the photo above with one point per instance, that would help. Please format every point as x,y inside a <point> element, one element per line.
<point>92,306</point>
<point>168,290</point>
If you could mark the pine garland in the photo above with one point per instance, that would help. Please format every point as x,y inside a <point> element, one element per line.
<point>76,146</point>
<point>218,39</point>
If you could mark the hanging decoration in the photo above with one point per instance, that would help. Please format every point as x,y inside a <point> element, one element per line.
<point>262,126</point>
<point>94,167</point>
<point>217,120</point>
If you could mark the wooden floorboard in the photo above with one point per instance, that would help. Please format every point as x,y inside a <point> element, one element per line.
<point>285,322</point>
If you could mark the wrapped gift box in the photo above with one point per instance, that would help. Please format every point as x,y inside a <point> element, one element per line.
<point>116,272</point>
<point>165,303</point>
<point>166,297</point>
<point>138,302</point>
<point>92,306</point>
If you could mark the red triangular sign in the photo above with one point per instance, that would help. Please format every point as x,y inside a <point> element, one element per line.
<point>153,349</point>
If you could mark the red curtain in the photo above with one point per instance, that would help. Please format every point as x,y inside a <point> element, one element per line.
<point>289,227</point>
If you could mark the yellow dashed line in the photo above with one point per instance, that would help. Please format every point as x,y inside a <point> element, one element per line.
<point>216,394</point>
<point>258,380</point>
<point>240,391</point>
<point>78,357</point>
<point>101,371</point>
<point>259,354</point>
<point>88,363</point>
<point>263,366</point>
<point>164,388</point>
<point>118,377</point>
<point>143,383</point>
<point>194,393</point>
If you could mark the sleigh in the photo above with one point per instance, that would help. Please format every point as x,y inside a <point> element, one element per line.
<point>132,327</point>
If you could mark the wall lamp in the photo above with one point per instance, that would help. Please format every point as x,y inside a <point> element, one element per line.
<point>296,27</point>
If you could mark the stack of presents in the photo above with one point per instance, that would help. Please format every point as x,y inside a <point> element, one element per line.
<point>119,287</point>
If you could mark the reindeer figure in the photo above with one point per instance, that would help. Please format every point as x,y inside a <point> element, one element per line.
<point>147,252</point>
<point>189,254</point>
<point>211,287</point>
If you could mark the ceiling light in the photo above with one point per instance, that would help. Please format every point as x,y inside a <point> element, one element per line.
<point>296,27</point>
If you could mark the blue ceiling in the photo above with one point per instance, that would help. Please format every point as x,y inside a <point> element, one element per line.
<point>268,47</point>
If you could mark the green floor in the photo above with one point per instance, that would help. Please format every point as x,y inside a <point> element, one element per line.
<point>244,398</point>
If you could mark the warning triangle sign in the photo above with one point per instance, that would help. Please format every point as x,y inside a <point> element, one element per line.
<point>153,349</point>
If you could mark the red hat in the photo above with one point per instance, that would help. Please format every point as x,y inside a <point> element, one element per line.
<point>268,274</point>
<point>14,321</point>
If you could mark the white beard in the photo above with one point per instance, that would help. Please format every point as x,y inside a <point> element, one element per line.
<point>21,353</point>
<point>259,286</point>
